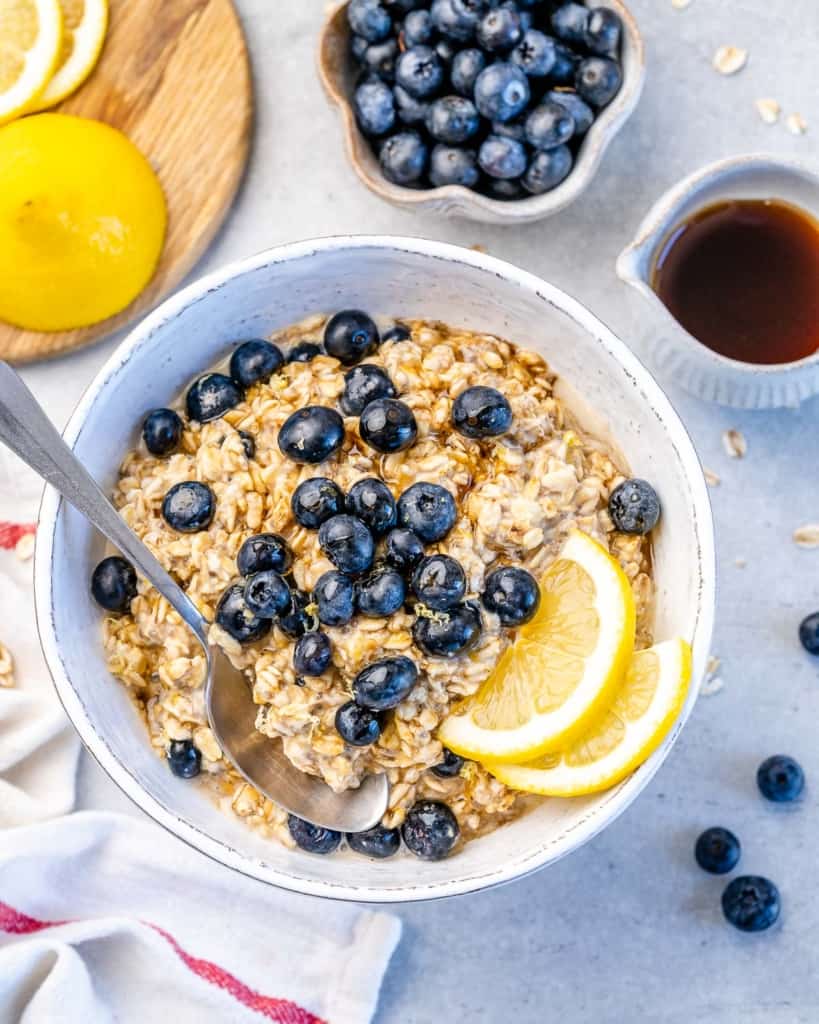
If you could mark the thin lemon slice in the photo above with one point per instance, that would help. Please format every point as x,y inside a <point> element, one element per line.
<point>30,39</point>
<point>637,722</point>
<point>84,26</point>
<point>563,668</point>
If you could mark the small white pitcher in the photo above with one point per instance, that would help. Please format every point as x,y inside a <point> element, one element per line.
<point>673,350</point>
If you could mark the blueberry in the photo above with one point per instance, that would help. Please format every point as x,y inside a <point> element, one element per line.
<point>368,18</point>
<point>535,54</point>
<point>581,112</point>
<point>457,19</point>
<point>189,507</point>
<point>512,594</point>
<point>262,552</point>
<point>348,544</point>
<point>371,500</point>
<point>350,335</point>
<point>418,28</point>
<point>603,29</point>
<point>634,507</point>
<point>403,158</point>
<point>506,189</point>
<point>385,683</point>
<point>717,851</point>
<point>255,360</point>
<point>381,593</point>
<point>311,434</point>
<point>514,129</point>
<point>298,620</point>
<point>449,633</point>
<point>445,49</point>
<point>184,759</point>
<point>374,108</point>
<point>379,842</point>
<point>312,838</point>
<point>398,333</point>
<point>451,165</point>
<point>388,425</point>
<point>466,66</point>
<point>312,654</point>
<point>403,549</point>
<point>363,384</point>
<point>501,91</point>
<point>162,431</point>
<point>315,501</point>
<point>334,596</point>
<point>114,584</point>
<point>481,412</point>
<point>780,779</point>
<point>236,619</point>
<point>449,767</point>
<point>809,633</point>
<point>548,125</point>
<point>303,352</point>
<point>598,80</point>
<point>358,47</point>
<point>409,110</point>
<point>419,70</point>
<point>751,903</point>
<point>565,66</point>
<point>430,830</point>
<point>547,169</point>
<point>569,22</point>
<point>452,119</point>
<point>211,396</point>
<point>398,8</point>
<point>248,444</point>
<point>379,59</point>
<point>360,727</point>
<point>266,594</point>
<point>502,157</point>
<point>428,510</point>
<point>500,30</point>
<point>439,582</point>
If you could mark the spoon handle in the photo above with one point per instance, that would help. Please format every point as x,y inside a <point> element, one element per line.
<point>30,434</point>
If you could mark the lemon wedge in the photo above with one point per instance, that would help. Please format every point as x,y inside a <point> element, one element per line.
<point>30,39</point>
<point>84,26</point>
<point>563,668</point>
<point>637,722</point>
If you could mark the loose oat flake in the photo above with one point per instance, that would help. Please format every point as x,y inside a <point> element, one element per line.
<point>734,444</point>
<point>712,683</point>
<point>6,667</point>
<point>730,59</point>
<point>796,124</point>
<point>768,110</point>
<point>711,478</point>
<point>807,536</point>
<point>24,548</point>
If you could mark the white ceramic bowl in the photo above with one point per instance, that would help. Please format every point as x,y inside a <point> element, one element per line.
<point>406,278</point>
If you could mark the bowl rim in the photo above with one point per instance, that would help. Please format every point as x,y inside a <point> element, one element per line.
<point>613,803</point>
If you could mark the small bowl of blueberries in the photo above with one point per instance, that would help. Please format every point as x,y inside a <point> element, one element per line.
<point>495,110</point>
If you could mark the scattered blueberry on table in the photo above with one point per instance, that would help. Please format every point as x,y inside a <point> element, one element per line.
<point>780,779</point>
<point>809,633</point>
<point>751,903</point>
<point>717,851</point>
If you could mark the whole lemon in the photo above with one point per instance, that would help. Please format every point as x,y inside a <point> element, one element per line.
<point>82,222</point>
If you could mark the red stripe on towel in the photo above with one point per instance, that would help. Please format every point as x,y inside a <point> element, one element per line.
<point>10,533</point>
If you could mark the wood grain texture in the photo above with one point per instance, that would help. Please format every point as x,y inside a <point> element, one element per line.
<point>175,77</point>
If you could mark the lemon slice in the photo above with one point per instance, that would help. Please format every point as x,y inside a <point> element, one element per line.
<point>84,26</point>
<point>30,38</point>
<point>643,711</point>
<point>563,668</point>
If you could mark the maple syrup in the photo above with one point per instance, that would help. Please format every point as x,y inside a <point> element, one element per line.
<point>742,276</point>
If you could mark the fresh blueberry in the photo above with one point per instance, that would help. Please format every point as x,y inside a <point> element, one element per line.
<point>481,412</point>
<point>363,384</point>
<point>506,188</point>
<point>358,47</point>
<point>780,779</point>
<point>512,594</point>
<point>374,108</point>
<point>445,49</point>
<point>527,19</point>
<point>569,22</point>
<point>409,110</point>
<point>603,29</point>
<point>466,66</point>
<point>500,29</point>
<point>535,54</point>
<point>451,165</point>
<point>634,507</point>
<point>751,903</point>
<point>379,59</point>
<point>449,767</point>
<point>452,119</point>
<point>809,633</point>
<point>419,70</point>
<point>403,549</point>
<point>502,157</point>
<point>598,80</point>
<point>549,125</point>
<point>248,444</point>
<point>381,593</point>
<point>298,620</point>
<point>312,654</point>
<point>457,19</point>
<point>236,619</point>
<point>311,434</point>
<point>581,112</point>
<point>547,169</point>
<point>312,838</point>
<point>266,594</point>
<point>114,584</point>
<point>368,18</point>
<point>403,158</point>
<point>360,727</point>
<point>501,91</point>
<point>350,335</point>
<point>211,396</point>
<point>428,510</point>
<point>439,582</point>
<point>388,425</point>
<point>399,8</point>
<point>262,552</point>
<point>717,851</point>
<point>255,360</point>
<point>162,431</point>
<point>379,842</point>
<point>334,596</point>
<point>565,66</point>
<point>448,634</point>
<point>348,544</point>
<point>303,352</point>
<point>430,830</point>
<point>514,129</point>
<point>371,500</point>
<point>189,507</point>
<point>418,28</point>
<point>385,683</point>
<point>184,759</point>
<point>398,333</point>
<point>315,501</point>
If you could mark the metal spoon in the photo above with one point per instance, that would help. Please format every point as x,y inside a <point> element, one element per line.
<point>27,431</point>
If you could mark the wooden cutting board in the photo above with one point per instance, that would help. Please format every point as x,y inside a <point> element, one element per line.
<point>175,77</point>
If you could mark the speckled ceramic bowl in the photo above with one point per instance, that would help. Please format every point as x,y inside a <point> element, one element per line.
<point>338,74</point>
<point>393,276</point>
